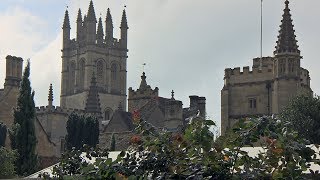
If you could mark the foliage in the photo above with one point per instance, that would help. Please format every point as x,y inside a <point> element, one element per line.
<point>113,143</point>
<point>304,114</point>
<point>3,134</point>
<point>22,134</point>
<point>193,154</point>
<point>82,130</point>
<point>7,159</point>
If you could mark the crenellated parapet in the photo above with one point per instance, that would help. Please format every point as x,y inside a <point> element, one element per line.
<point>58,110</point>
<point>236,75</point>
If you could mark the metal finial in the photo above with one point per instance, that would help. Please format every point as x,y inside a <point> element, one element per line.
<point>172,94</point>
<point>125,6</point>
<point>143,65</point>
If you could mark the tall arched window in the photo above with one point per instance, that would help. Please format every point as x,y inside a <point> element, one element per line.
<point>72,74</point>
<point>82,73</point>
<point>114,72</point>
<point>100,72</point>
<point>115,78</point>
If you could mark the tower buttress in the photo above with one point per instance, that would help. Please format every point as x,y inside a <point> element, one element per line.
<point>124,30</point>
<point>109,29</point>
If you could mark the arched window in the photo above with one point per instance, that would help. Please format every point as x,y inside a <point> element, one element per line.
<point>100,72</point>
<point>114,72</point>
<point>72,75</point>
<point>82,73</point>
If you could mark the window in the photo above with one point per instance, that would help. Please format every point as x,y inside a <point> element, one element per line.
<point>114,70</point>
<point>100,72</point>
<point>252,103</point>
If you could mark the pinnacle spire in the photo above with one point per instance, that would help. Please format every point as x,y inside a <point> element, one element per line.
<point>143,84</point>
<point>124,23</point>
<point>100,31</point>
<point>66,22</point>
<point>172,95</point>
<point>91,14</point>
<point>109,17</point>
<point>79,18</point>
<point>93,100</point>
<point>50,96</point>
<point>287,42</point>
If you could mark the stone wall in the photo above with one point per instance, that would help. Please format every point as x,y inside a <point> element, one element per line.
<point>122,140</point>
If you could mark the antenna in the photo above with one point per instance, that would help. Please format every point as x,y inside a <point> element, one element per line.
<point>261,23</point>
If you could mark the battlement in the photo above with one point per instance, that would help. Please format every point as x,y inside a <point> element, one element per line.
<point>143,93</point>
<point>236,76</point>
<point>58,109</point>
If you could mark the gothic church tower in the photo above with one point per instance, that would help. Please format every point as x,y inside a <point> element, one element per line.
<point>94,51</point>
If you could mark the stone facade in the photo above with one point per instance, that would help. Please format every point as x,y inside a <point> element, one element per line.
<point>92,52</point>
<point>271,83</point>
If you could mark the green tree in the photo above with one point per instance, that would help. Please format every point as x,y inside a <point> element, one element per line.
<point>3,134</point>
<point>23,138</point>
<point>82,130</point>
<point>113,143</point>
<point>304,114</point>
<point>7,160</point>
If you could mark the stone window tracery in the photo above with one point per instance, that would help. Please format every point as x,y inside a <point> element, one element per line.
<point>100,72</point>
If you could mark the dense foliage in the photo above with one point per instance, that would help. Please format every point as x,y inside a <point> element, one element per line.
<point>7,159</point>
<point>82,130</point>
<point>3,134</point>
<point>194,154</point>
<point>304,114</point>
<point>23,138</point>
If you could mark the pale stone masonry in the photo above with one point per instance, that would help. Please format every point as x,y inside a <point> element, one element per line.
<point>269,86</point>
<point>90,53</point>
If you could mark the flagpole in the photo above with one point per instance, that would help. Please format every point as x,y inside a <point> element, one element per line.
<point>261,19</point>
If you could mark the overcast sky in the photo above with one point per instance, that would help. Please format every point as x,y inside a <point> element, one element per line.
<point>186,44</point>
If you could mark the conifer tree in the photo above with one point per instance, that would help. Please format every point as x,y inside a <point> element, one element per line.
<point>23,136</point>
<point>3,134</point>
<point>82,130</point>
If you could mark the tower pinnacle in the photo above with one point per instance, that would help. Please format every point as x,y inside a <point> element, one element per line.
<point>143,84</point>
<point>93,100</point>
<point>124,23</point>
<point>100,32</point>
<point>91,14</point>
<point>50,96</point>
<point>287,42</point>
<point>66,22</point>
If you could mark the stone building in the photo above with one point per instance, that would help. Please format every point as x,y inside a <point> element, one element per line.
<point>93,81</point>
<point>268,87</point>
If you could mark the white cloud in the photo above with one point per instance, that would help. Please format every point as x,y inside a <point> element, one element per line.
<point>22,34</point>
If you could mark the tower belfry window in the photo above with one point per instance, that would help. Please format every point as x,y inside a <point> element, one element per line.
<point>100,72</point>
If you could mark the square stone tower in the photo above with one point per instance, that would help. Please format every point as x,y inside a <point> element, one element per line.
<point>273,81</point>
<point>96,52</point>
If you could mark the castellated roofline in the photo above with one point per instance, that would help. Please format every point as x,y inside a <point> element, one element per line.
<point>58,110</point>
<point>229,72</point>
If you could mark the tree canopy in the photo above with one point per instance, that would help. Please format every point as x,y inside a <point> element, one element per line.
<point>304,114</point>
<point>82,130</point>
<point>3,134</point>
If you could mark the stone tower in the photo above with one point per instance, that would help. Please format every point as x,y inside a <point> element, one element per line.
<point>286,63</point>
<point>94,51</point>
<point>266,90</point>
